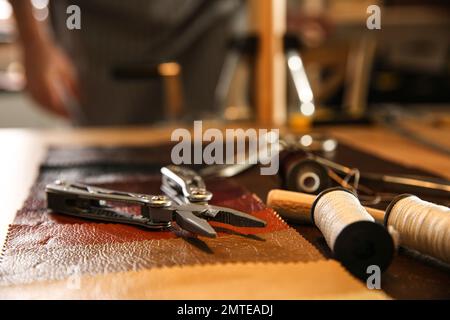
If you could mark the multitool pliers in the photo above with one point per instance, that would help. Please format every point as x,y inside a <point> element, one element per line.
<point>185,201</point>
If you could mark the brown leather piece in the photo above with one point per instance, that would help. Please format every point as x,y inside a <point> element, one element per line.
<point>46,259</point>
<point>43,245</point>
<point>53,229</point>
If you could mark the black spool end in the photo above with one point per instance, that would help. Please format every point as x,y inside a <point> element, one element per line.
<point>362,244</point>
<point>307,176</point>
<point>391,206</point>
<point>324,192</point>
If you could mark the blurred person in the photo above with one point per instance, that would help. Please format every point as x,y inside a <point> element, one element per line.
<point>69,72</point>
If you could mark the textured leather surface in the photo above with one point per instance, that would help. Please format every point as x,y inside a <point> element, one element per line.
<point>42,245</point>
<point>50,260</point>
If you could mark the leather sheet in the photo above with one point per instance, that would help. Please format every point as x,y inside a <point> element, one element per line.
<point>48,246</point>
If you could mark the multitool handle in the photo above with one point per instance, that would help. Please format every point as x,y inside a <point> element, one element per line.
<point>184,184</point>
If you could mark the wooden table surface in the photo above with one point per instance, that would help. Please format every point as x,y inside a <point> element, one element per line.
<point>22,151</point>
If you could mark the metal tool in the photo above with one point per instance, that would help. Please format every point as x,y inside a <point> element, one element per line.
<point>310,143</point>
<point>423,184</point>
<point>289,142</point>
<point>156,211</point>
<point>185,187</point>
<point>428,185</point>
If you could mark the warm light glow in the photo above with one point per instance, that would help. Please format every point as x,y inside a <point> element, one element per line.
<point>306,140</point>
<point>301,83</point>
<point>169,69</point>
<point>307,108</point>
<point>5,10</point>
<point>329,145</point>
<point>39,4</point>
<point>40,14</point>
<point>295,63</point>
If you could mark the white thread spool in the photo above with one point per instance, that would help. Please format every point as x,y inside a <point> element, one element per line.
<point>422,225</point>
<point>351,232</point>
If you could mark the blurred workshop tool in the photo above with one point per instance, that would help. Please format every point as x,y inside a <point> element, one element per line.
<point>312,174</point>
<point>241,49</point>
<point>300,117</point>
<point>289,142</point>
<point>307,174</point>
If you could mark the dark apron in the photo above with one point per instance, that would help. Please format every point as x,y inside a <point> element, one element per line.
<point>116,32</point>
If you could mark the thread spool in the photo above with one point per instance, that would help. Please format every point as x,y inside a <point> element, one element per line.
<point>306,176</point>
<point>351,232</point>
<point>422,225</point>
<point>296,206</point>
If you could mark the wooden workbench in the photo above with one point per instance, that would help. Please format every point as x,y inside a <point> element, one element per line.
<point>22,151</point>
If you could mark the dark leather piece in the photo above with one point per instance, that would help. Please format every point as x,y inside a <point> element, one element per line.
<point>108,156</point>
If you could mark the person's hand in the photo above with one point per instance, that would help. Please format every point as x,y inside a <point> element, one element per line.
<point>51,77</point>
